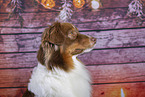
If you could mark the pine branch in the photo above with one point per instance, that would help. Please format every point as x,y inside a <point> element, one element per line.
<point>135,7</point>
<point>17,9</point>
<point>66,12</point>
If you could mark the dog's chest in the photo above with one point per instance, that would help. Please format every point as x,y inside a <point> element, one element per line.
<point>58,83</point>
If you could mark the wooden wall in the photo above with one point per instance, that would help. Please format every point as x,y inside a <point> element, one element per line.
<point>117,61</point>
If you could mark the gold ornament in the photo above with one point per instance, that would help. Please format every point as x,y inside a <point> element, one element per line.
<point>47,3</point>
<point>78,3</point>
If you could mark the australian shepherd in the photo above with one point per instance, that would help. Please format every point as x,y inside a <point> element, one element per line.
<point>59,73</point>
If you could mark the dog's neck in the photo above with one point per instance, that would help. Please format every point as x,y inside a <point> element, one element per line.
<point>55,59</point>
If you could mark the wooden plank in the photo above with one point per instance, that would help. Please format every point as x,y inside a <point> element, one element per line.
<point>114,90</point>
<point>106,4</point>
<point>92,25</point>
<point>113,56</point>
<point>18,60</point>
<point>20,43</point>
<point>100,75</point>
<point>29,5</point>
<point>118,38</point>
<point>84,20</point>
<point>117,73</point>
<point>31,20</point>
<point>105,39</point>
<point>3,5</point>
<point>111,24</point>
<point>108,90</point>
<point>14,77</point>
<point>19,30</point>
<point>12,92</point>
<point>98,57</point>
<point>39,19</point>
<point>115,3</point>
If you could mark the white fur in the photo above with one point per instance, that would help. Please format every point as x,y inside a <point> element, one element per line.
<point>58,83</point>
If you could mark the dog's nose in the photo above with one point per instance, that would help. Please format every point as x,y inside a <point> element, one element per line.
<point>93,39</point>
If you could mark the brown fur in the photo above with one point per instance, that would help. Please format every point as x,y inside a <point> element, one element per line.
<point>40,55</point>
<point>28,94</point>
<point>68,41</point>
<point>59,43</point>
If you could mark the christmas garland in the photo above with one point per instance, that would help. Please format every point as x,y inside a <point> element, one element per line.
<point>135,7</point>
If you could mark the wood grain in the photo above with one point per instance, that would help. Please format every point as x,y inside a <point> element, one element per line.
<point>20,43</point>
<point>117,73</point>
<point>113,90</point>
<point>107,90</point>
<point>96,57</point>
<point>14,77</point>
<point>18,60</point>
<point>100,74</point>
<point>24,30</point>
<point>84,20</point>
<point>29,5</point>
<point>12,92</point>
<point>105,39</point>
<point>31,20</point>
<point>113,56</point>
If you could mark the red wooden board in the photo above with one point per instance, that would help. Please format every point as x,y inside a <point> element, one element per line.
<point>103,74</point>
<point>107,90</point>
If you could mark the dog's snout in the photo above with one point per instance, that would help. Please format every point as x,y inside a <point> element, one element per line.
<point>93,39</point>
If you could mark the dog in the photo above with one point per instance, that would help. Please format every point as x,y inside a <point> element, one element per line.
<point>59,73</point>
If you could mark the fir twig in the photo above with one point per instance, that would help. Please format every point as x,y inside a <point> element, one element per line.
<point>17,9</point>
<point>136,8</point>
<point>66,12</point>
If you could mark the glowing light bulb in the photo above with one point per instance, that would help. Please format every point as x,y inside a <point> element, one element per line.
<point>78,3</point>
<point>47,3</point>
<point>95,4</point>
<point>122,93</point>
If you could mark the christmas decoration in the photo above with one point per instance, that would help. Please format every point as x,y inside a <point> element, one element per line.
<point>135,7</point>
<point>95,4</point>
<point>16,9</point>
<point>47,3</point>
<point>66,12</point>
<point>78,3</point>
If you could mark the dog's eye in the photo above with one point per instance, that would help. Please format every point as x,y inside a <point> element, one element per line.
<point>72,35</point>
<point>70,32</point>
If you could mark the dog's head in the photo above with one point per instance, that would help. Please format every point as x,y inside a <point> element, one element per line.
<point>63,40</point>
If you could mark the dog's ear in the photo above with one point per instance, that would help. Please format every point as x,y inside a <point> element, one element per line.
<point>41,55</point>
<point>53,34</point>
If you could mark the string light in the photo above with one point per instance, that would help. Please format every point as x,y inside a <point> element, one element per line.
<point>47,3</point>
<point>95,4</point>
<point>78,3</point>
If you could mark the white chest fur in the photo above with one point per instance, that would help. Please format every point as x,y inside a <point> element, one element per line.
<point>58,83</point>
